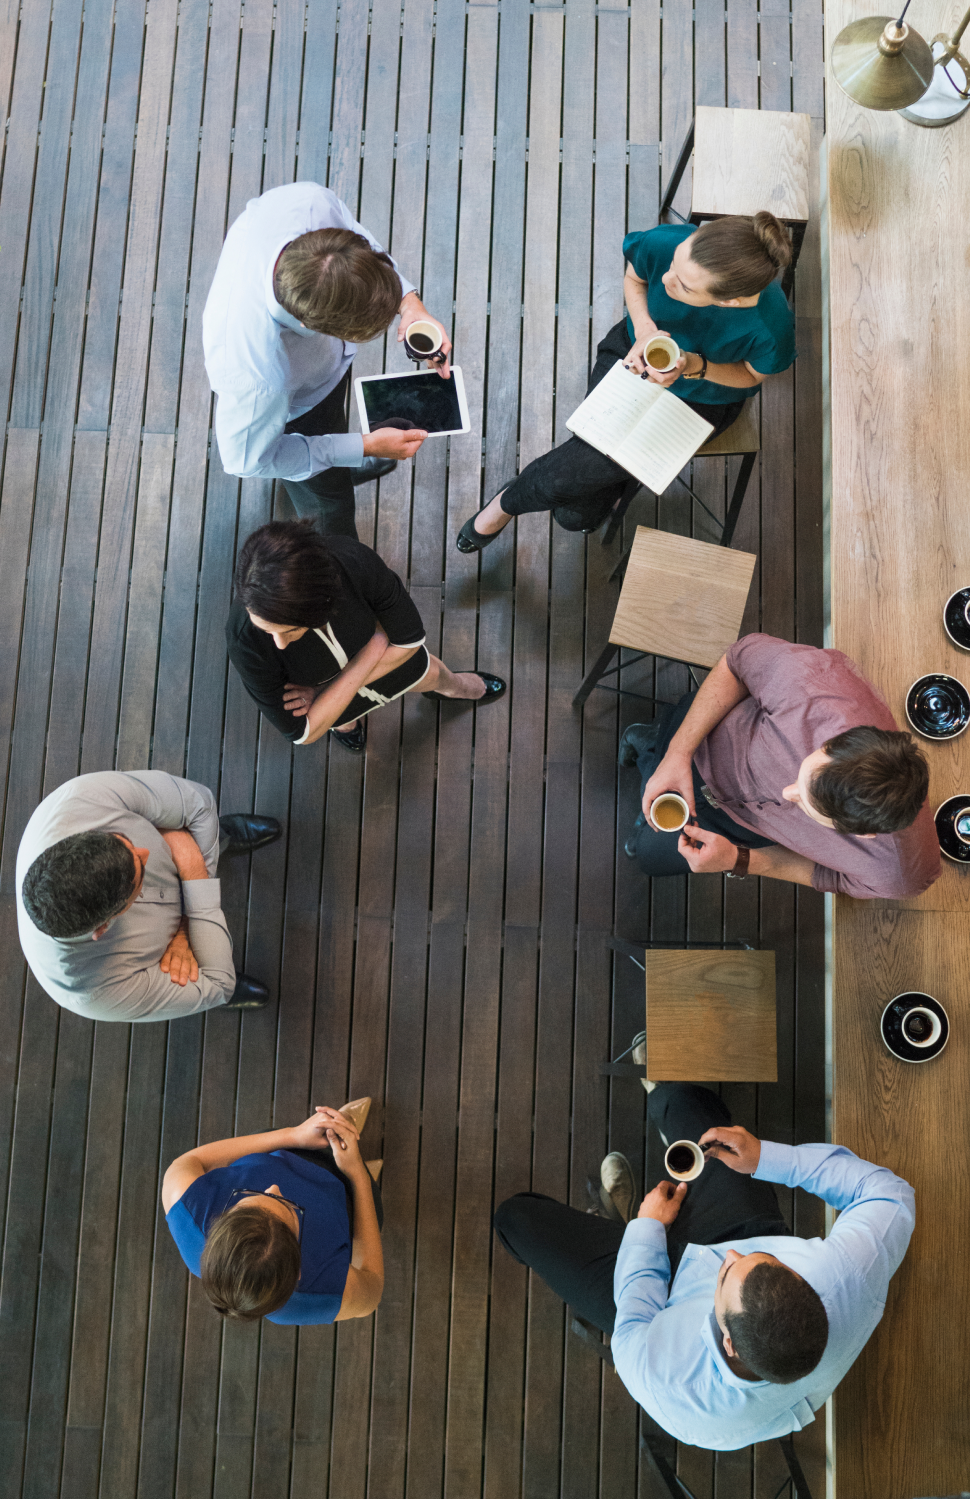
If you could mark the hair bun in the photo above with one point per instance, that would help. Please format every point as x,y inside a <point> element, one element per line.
<point>774,238</point>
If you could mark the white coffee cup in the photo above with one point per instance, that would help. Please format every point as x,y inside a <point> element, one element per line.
<point>659,345</point>
<point>697,1161</point>
<point>669,813</point>
<point>936,1026</point>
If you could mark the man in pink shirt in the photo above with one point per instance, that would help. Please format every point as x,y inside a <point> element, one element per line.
<point>794,768</point>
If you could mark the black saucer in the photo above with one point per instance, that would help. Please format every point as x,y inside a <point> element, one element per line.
<point>951,843</point>
<point>891,1027</point>
<point>955,618</point>
<point>938,706</point>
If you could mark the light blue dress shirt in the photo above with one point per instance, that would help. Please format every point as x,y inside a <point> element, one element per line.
<point>263,365</point>
<point>667,1348</point>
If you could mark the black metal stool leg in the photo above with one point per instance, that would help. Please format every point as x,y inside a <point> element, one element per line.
<point>615,518</point>
<point>737,499</point>
<point>593,675</point>
<point>673,182</point>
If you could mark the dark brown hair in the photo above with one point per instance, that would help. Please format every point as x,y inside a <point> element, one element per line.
<point>742,256</point>
<point>781,1331</point>
<point>333,282</point>
<point>250,1263</point>
<point>286,575</point>
<point>875,781</point>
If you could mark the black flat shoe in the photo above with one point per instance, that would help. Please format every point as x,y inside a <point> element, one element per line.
<point>249,994</point>
<point>638,739</point>
<point>372,468</point>
<point>630,846</point>
<point>353,739</point>
<point>494,689</point>
<point>470,540</point>
<point>246,831</point>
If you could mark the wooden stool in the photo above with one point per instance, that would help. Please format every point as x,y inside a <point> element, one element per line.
<point>741,439</point>
<point>681,599</point>
<point>711,1015</point>
<point>746,160</point>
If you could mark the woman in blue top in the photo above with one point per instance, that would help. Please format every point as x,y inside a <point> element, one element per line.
<point>713,290</point>
<point>285,1224</point>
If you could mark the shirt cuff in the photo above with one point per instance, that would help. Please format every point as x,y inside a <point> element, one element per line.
<point>406,286</point>
<point>775,1163</point>
<point>200,896</point>
<point>347,449</point>
<point>303,737</point>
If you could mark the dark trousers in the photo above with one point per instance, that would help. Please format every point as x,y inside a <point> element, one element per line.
<point>575,1253</point>
<point>578,484</point>
<point>657,853</point>
<point>327,497</point>
<point>325,1159</point>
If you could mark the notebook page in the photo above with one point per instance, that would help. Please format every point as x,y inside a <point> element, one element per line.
<point>666,438</point>
<point>611,411</point>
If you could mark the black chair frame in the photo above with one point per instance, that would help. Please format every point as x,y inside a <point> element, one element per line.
<point>728,525</point>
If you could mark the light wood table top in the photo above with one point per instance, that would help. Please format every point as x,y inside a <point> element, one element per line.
<point>896,238</point>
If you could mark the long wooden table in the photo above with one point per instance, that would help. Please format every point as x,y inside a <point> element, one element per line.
<point>896,230</point>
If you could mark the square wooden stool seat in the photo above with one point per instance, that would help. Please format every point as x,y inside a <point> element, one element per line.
<point>711,1016</point>
<point>746,160</point>
<point>681,599</point>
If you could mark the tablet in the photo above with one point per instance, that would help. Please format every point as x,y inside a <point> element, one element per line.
<point>413,400</point>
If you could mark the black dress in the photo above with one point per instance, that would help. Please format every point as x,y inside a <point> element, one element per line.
<point>370,594</point>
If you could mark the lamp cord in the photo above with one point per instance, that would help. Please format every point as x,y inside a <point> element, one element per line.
<point>903,13</point>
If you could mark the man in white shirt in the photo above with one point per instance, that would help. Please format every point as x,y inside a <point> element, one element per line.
<point>298,285</point>
<point>725,1327</point>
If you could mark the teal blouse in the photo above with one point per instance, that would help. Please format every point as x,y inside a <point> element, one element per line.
<point>763,335</point>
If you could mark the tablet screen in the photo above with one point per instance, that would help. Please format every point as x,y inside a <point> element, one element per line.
<point>418,400</point>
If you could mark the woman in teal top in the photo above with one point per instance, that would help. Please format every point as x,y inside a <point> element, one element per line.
<point>713,290</point>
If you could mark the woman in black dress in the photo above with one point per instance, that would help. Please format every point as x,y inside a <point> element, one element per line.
<point>322,632</point>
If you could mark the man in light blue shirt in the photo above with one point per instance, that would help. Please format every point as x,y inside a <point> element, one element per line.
<point>756,1327</point>
<point>282,372</point>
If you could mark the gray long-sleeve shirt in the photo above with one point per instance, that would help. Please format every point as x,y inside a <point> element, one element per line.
<point>118,977</point>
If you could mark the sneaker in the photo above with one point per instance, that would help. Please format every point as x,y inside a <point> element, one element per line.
<point>617,1187</point>
<point>637,740</point>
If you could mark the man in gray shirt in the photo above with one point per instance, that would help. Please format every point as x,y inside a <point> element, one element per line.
<point>118,904</point>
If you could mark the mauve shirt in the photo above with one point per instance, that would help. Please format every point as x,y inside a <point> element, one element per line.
<point>800,697</point>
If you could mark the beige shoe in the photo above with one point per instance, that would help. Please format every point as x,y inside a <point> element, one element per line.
<point>617,1187</point>
<point>638,1055</point>
<point>375,1168</point>
<point>357,1112</point>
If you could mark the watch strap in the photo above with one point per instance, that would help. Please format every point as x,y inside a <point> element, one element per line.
<point>740,870</point>
<point>701,372</point>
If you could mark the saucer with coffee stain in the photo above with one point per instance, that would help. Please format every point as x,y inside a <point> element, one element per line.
<point>938,706</point>
<point>898,1024</point>
<point>956,622</point>
<point>952,820</point>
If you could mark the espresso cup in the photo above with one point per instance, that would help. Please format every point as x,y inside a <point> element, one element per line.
<point>669,813</point>
<point>660,354</point>
<point>422,341</point>
<point>928,1024</point>
<point>684,1160</point>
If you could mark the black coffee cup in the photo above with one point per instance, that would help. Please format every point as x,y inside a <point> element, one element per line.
<point>422,343</point>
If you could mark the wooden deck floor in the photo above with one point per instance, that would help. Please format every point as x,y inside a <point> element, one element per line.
<point>435,921</point>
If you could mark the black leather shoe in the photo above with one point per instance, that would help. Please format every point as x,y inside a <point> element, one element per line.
<point>630,846</point>
<point>249,994</point>
<point>494,689</point>
<point>470,540</point>
<point>638,739</point>
<point>372,468</point>
<point>353,739</point>
<point>246,831</point>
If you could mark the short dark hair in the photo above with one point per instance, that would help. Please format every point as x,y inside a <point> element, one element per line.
<point>286,575</point>
<point>781,1331</point>
<point>250,1263</point>
<point>876,780</point>
<point>334,282</point>
<point>78,884</point>
<point>741,255</point>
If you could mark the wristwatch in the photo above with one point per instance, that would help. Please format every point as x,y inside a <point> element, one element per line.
<point>701,372</point>
<point>740,870</point>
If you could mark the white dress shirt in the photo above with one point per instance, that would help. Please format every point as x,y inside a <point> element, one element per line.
<point>667,1347</point>
<point>118,977</point>
<point>263,365</point>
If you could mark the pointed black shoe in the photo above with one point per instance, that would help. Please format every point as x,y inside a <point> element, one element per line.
<point>353,739</point>
<point>249,994</point>
<point>372,468</point>
<point>630,846</point>
<point>246,831</point>
<point>494,689</point>
<point>638,739</point>
<point>468,539</point>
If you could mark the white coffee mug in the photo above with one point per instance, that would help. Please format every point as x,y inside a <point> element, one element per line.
<point>660,344</point>
<point>669,813</point>
<point>936,1026</point>
<point>697,1161</point>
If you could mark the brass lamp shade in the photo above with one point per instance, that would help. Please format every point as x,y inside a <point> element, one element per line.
<point>881,65</point>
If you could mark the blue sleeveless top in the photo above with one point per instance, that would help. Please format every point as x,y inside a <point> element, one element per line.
<point>326,1243</point>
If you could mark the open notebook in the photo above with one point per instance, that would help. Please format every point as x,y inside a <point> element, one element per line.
<point>640,426</point>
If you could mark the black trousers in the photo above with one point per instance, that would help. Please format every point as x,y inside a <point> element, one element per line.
<point>657,853</point>
<point>324,1158</point>
<point>578,484</point>
<point>575,1252</point>
<point>327,497</point>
